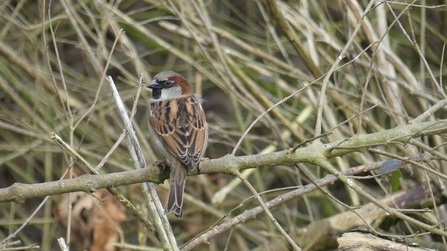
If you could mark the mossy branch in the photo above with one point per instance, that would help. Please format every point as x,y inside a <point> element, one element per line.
<point>311,153</point>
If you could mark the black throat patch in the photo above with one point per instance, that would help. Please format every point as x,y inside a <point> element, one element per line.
<point>156,93</point>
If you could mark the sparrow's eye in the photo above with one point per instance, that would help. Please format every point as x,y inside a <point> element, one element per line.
<point>166,83</point>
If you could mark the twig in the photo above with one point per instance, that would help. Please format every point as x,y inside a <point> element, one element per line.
<point>294,40</point>
<point>112,149</point>
<point>165,234</point>
<point>267,211</point>
<point>120,139</point>
<point>264,113</point>
<point>30,217</point>
<point>89,169</point>
<point>351,183</point>
<point>322,98</point>
<point>252,213</point>
<point>62,244</point>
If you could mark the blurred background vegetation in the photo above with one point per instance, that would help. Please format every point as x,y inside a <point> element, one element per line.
<point>54,56</point>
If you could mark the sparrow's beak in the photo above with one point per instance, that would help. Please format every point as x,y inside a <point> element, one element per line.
<point>154,85</point>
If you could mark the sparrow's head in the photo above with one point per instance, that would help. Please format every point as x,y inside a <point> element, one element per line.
<point>168,85</point>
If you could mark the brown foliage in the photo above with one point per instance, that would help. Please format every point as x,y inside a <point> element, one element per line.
<point>95,219</point>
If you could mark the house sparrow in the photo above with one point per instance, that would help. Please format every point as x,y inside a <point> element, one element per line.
<point>178,131</point>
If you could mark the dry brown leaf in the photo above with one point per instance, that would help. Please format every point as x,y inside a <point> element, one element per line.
<point>95,219</point>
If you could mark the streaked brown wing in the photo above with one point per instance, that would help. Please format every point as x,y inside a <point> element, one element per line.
<point>182,131</point>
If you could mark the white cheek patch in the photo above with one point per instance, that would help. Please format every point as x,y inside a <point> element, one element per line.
<point>171,93</point>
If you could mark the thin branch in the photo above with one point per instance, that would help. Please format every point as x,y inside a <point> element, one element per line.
<point>89,169</point>
<point>254,212</point>
<point>267,211</point>
<point>165,234</point>
<point>351,183</point>
<point>294,40</point>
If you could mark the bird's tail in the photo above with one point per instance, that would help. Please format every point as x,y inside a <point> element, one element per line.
<point>177,183</point>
